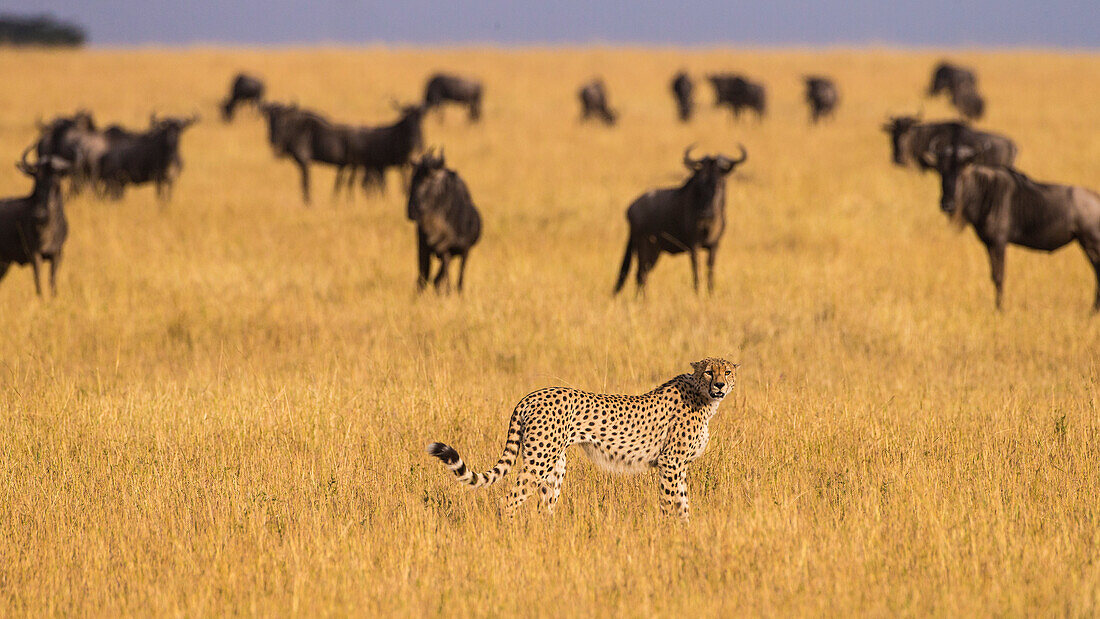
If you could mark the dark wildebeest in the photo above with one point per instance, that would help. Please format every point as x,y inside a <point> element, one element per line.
<point>680,219</point>
<point>950,78</point>
<point>149,157</point>
<point>76,140</point>
<point>969,103</point>
<point>34,228</point>
<point>961,86</point>
<point>1004,206</point>
<point>910,140</point>
<point>593,96</point>
<point>443,87</point>
<point>447,222</point>
<point>739,93</point>
<point>245,89</point>
<point>376,149</point>
<point>682,88</point>
<point>821,95</point>
<point>305,137</point>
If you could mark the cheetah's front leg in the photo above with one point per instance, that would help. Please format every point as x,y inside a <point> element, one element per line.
<point>674,487</point>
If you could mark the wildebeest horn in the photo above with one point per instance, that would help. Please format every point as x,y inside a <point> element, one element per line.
<point>688,161</point>
<point>442,159</point>
<point>23,163</point>
<point>39,124</point>
<point>744,155</point>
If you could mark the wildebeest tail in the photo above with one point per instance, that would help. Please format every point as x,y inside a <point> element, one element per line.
<point>450,457</point>
<point>625,269</point>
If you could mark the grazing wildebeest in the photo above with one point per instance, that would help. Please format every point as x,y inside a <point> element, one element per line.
<point>950,78</point>
<point>682,88</point>
<point>593,96</point>
<point>969,103</point>
<point>149,157</point>
<point>447,222</point>
<point>739,93</point>
<point>34,228</point>
<point>962,87</point>
<point>910,139</point>
<point>821,95</point>
<point>244,89</point>
<point>680,219</point>
<point>376,149</point>
<point>443,87</point>
<point>1005,206</point>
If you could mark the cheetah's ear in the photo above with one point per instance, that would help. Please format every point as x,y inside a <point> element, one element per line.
<point>736,365</point>
<point>698,366</point>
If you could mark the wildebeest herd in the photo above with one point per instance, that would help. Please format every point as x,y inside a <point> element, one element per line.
<point>979,185</point>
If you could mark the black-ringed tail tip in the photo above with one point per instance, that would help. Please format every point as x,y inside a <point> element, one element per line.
<point>446,453</point>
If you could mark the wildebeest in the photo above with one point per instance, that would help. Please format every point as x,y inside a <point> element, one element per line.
<point>969,103</point>
<point>447,222</point>
<point>950,78</point>
<point>682,88</point>
<point>375,149</point>
<point>821,95</point>
<point>306,136</point>
<point>64,137</point>
<point>738,93</point>
<point>593,96</point>
<point>961,85</point>
<point>149,157</point>
<point>444,87</point>
<point>1005,206</point>
<point>244,89</point>
<point>680,219</point>
<point>910,140</point>
<point>34,228</point>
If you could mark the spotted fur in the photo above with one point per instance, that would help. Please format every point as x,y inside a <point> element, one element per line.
<point>664,429</point>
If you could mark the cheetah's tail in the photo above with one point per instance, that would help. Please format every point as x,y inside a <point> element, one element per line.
<point>450,457</point>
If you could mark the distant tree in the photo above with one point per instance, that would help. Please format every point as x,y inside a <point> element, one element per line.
<point>39,30</point>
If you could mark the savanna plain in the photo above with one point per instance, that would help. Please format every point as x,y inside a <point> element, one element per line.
<point>225,409</point>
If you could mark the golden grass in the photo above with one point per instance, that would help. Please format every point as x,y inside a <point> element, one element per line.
<point>225,410</point>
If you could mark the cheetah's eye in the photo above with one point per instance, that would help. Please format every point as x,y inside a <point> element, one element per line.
<point>707,373</point>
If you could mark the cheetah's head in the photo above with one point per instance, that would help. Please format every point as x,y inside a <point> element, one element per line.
<point>715,376</point>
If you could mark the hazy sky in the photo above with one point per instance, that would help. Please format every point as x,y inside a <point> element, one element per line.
<point>955,23</point>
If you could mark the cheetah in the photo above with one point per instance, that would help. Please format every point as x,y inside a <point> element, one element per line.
<point>664,429</point>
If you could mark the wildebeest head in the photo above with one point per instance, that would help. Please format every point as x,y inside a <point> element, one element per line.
<point>949,158</point>
<point>709,175</point>
<point>278,117</point>
<point>428,173</point>
<point>46,172</point>
<point>898,126</point>
<point>171,127</point>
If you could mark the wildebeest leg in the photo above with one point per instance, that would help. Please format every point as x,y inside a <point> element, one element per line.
<point>694,269</point>
<point>36,266</point>
<point>625,269</point>
<point>1092,250</point>
<point>339,180</point>
<point>55,261</point>
<point>303,165</point>
<point>461,269</point>
<point>647,258</point>
<point>475,110</point>
<point>712,253</point>
<point>997,268</point>
<point>424,258</point>
<point>442,281</point>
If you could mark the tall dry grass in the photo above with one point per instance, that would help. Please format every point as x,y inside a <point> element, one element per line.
<point>225,409</point>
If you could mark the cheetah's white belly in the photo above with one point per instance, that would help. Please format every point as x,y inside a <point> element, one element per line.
<point>615,464</point>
